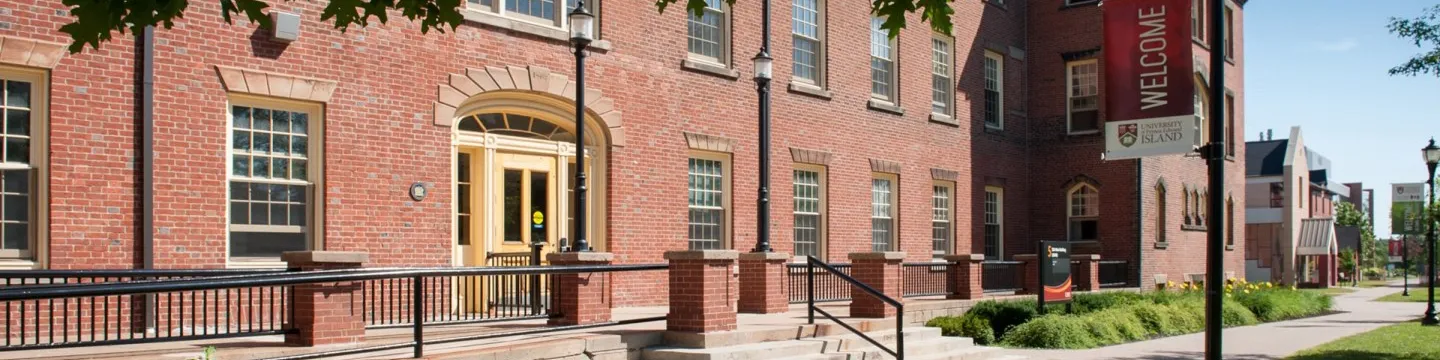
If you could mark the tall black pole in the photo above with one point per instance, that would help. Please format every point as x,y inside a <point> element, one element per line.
<point>762,86</point>
<point>1215,156</point>
<point>580,43</point>
<point>1405,263</point>
<point>1429,318</point>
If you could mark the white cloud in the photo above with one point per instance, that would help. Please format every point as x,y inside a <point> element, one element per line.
<point>1341,45</point>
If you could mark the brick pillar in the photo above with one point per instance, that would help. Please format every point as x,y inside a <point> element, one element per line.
<point>700,299</point>
<point>1086,271</point>
<point>964,275</point>
<point>881,271</point>
<point>582,298</point>
<point>762,283</point>
<point>324,313</point>
<point>1030,277</point>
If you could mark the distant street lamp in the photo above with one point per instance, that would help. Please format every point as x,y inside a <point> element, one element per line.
<point>582,32</point>
<point>764,68</point>
<point>1432,157</point>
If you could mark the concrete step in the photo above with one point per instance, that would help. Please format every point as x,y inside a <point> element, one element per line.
<point>924,339</point>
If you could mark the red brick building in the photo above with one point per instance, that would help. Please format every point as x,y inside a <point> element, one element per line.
<point>262,146</point>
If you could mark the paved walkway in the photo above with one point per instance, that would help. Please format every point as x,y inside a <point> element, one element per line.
<point>1265,341</point>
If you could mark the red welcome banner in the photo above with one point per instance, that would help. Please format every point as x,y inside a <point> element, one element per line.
<point>1395,248</point>
<point>1148,61</point>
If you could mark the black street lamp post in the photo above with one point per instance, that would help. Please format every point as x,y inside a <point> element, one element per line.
<point>582,32</point>
<point>1432,157</point>
<point>1405,263</point>
<point>764,66</point>
<point>1215,157</point>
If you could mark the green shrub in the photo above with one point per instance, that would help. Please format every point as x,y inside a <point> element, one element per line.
<point>973,327</point>
<point>1284,304</point>
<point>977,328</point>
<point>1115,326</point>
<point>1093,302</point>
<point>1052,332</point>
<point>1003,315</point>
<point>1236,314</point>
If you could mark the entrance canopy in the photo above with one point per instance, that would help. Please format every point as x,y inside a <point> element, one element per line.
<point>1317,237</point>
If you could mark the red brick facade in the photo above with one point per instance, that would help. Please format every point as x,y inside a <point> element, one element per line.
<point>381,136</point>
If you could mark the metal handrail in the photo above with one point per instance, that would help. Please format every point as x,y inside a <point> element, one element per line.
<point>899,351</point>
<point>272,278</point>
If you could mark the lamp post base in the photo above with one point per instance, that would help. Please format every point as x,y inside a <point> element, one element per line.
<point>1429,320</point>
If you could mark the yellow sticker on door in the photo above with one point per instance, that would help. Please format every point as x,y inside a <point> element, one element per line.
<point>538,218</point>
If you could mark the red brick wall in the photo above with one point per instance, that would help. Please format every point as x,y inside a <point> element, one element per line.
<point>380,138</point>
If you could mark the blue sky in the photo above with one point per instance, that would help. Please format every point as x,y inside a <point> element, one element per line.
<point>1321,64</point>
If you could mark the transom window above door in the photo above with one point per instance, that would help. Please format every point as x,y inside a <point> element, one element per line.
<point>515,125</point>
<point>548,12</point>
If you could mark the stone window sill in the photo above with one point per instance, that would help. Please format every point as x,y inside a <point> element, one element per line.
<point>255,263</point>
<point>18,264</point>
<point>943,119</point>
<point>1229,247</point>
<point>1162,245</point>
<point>1083,133</point>
<point>547,32</point>
<point>1192,228</point>
<point>810,90</point>
<point>710,69</point>
<point>885,106</point>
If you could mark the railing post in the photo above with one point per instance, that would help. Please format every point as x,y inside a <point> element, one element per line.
<point>881,271</point>
<point>964,275</point>
<point>1086,271</point>
<point>418,287</point>
<point>810,287</point>
<point>900,332</point>
<point>535,303</point>
<point>762,283</point>
<point>1029,274</point>
<point>699,289</point>
<point>583,298</point>
<point>323,312</point>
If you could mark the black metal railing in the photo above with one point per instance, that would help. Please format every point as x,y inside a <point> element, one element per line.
<point>510,259</point>
<point>813,263</point>
<point>1001,275</point>
<point>178,315</point>
<point>925,279</point>
<point>827,287</point>
<point>387,303</point>
<point>1114,274</point>
<point>216,304</point>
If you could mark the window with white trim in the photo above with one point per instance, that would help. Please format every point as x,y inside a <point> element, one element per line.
<point>882,212</point>
<point>1083,96</point>
<point>23,198</point>
<point>994,222</point>
<point>942,229</point>
<point>549,13</point>
<point>709,35</point>
<point>275,167</point>
<point>1084,213</point>
<point>1229,33</point>
<point>994,90</point>
<point>883,77</point>
<point>807,25</point>
<point>942,93</point>
<point>1162,231</point>
<point>1197,20</point>
<point>809,213</point>
<point>709,202</point>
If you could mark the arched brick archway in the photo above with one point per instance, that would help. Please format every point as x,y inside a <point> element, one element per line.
<point>461,87</point>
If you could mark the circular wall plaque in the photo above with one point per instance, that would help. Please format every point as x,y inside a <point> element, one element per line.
<point>417,191</point>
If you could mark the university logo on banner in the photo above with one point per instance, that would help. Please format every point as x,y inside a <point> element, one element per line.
<point>1148,70</point>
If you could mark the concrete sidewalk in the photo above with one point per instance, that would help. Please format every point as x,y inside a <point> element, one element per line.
<point>1265,341</point>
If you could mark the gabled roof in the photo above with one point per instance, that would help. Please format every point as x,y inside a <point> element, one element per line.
<point>1317,237</point>
<point>1265,158</point>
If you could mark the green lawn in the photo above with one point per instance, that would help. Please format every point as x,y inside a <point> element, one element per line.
<point>1405,341</point>
<point>1376,283</point>
<point>1416,295</point>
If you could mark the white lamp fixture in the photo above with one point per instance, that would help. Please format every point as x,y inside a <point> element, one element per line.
<point>582,24</point>
<point>764,66</point>
<point>1432,153</point>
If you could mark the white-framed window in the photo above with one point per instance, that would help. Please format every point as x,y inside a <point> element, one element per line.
<point>1083,96</point>
<point>1230,125</point>
<point>809,211</point>
<point>709,35</point>
<point>275,177</point>
<point>550,13</point>
<point>994,90</point>
<point>1229,33</point>
<point>942,219</point>
<point>1162,225</point>
<point>1197,20</point>
<point>883,222</point>
<point>1230,222</point>
<point>807,22</point>
<point>994,223</point>
<point>709,201</point>
<point>883,77</point>
<point>1084,213</point>
<point>942,60</point>
<point>24,170</point>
